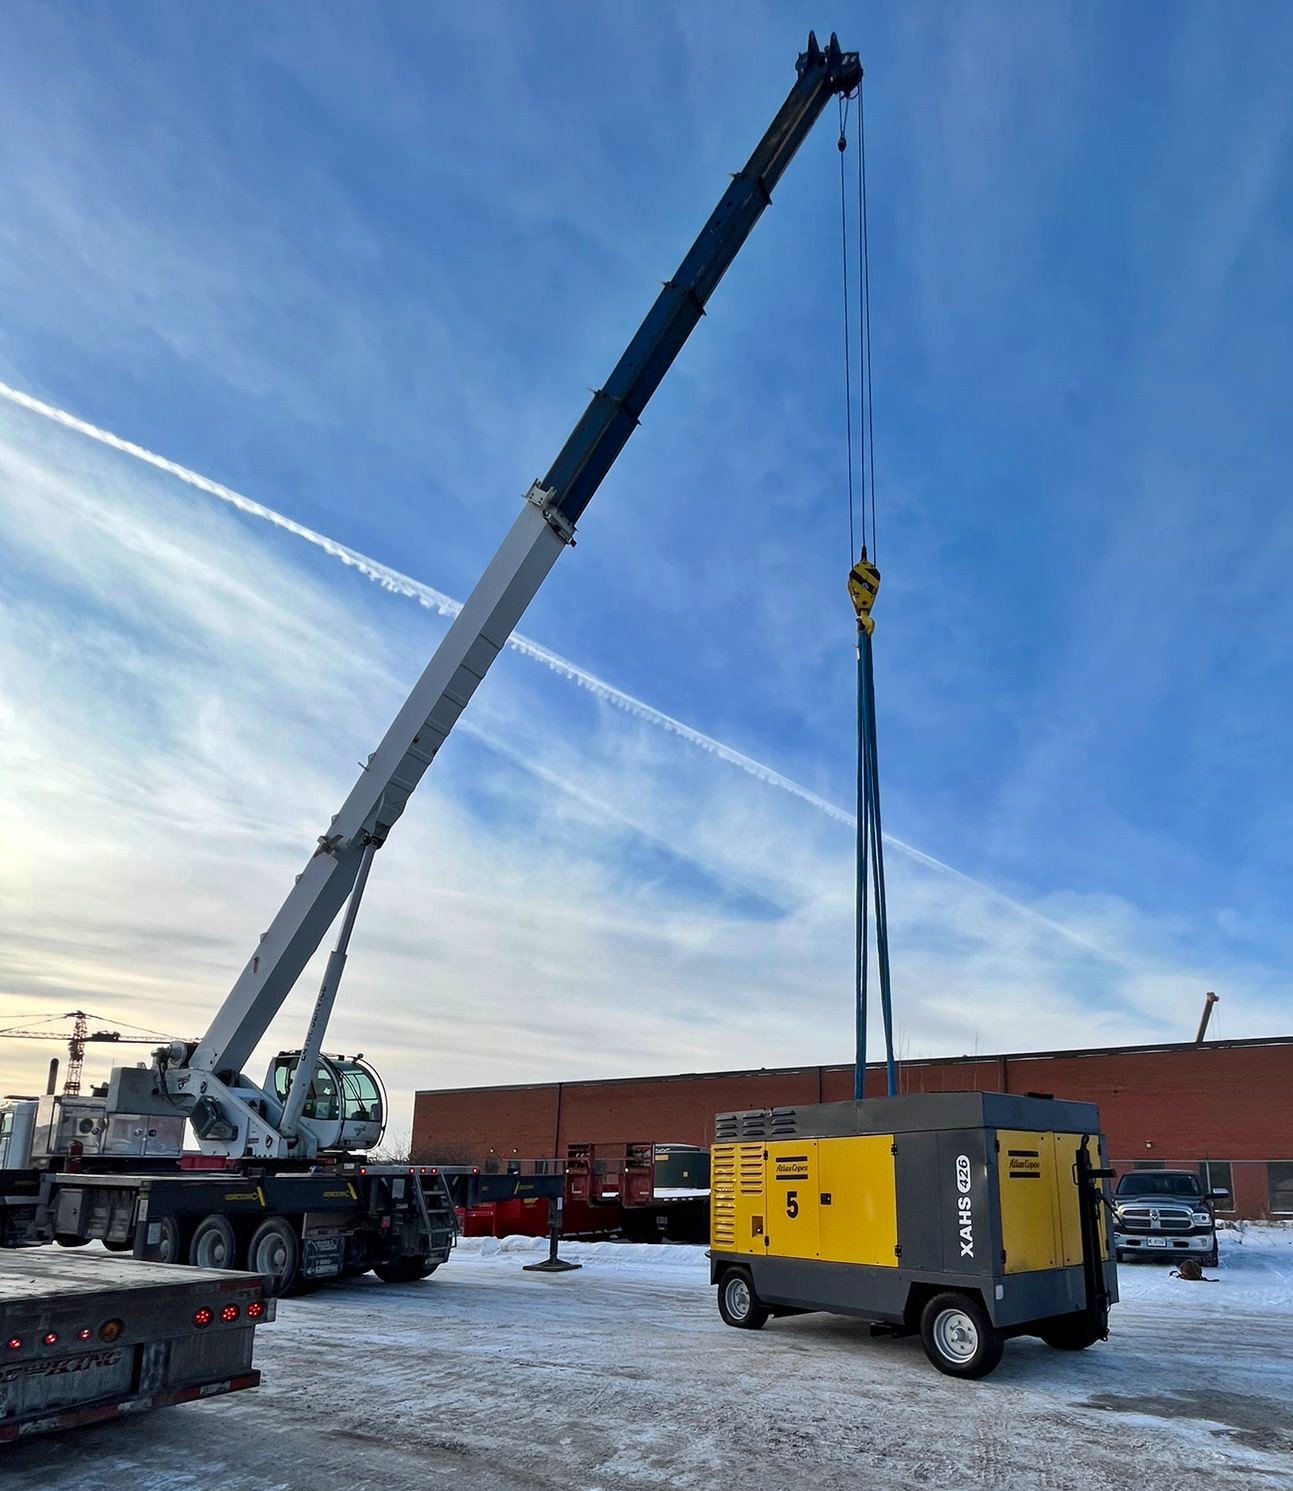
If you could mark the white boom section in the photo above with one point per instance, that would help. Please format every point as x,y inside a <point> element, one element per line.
<point>377,799</point>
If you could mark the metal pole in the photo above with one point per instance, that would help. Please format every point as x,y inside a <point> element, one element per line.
<point>1209,1000</point>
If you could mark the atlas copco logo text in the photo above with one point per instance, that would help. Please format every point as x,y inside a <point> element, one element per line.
<point>964,1206</point>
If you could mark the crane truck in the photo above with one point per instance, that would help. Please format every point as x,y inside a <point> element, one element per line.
<point>279,1183</point>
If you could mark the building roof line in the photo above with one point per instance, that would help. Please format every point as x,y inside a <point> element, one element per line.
<point>923,1061</point>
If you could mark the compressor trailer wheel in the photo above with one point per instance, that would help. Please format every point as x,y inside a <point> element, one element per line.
<point>738,1304</point>
<point>959,1338</point>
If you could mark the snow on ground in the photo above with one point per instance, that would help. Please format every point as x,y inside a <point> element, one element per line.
<point>622,1376</point>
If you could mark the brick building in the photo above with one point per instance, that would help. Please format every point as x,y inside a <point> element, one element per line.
<point>1224,1107</point>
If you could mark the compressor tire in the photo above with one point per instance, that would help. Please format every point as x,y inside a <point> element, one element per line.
<point>959,1338</point>
<point>274,1253</point>
<point>403,1270</point>
<point>738,1304</point>
<point>1071,1333</point>
<point>213,1244</point>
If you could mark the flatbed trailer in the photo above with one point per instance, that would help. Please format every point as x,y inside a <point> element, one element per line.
<point>85,1337</point>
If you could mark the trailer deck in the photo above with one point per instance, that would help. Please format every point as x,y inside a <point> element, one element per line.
<point>86,1336</point>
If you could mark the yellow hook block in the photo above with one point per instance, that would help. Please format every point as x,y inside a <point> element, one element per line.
<point>864,586</point>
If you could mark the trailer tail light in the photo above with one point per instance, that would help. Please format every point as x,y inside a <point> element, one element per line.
<point>203,1316</point>
<point>111,1329</point>
<point>84,1333</point>
<point>51,1338</point>
<point>255,1310</point>
<point>229,1314</point>
<point>15,1343</point>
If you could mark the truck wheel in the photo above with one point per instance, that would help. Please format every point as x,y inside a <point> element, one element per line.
<point>70,1240</point>
<point>1071,1332</point>
<point>1212,1259</point>
<point>738,1304</point>
<point>403,1270</point>
<point>213,1244</point>
<point>167,1246</point>
<point>958,1336</point>
<point>120,1247</point>
<point>274,1253</point>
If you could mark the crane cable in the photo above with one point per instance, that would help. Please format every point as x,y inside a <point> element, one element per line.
<point>863,586</point>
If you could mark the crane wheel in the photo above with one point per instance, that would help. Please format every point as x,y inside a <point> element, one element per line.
<point>213,1244</point>
<point>958,1336</point>
<point>167,1247</point>
<point>274,1253</point>
<point>737,1302</point>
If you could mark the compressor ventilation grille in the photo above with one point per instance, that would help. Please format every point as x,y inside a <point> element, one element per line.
<point>757,1123</point>
<point>723,1196</point>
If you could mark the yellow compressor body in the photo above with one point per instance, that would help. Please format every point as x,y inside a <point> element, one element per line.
<point>970,1217</point>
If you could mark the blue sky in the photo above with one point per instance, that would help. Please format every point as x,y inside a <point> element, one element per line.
<point>364,265</point>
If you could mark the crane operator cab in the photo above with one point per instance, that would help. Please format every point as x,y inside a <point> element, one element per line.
<point>345,1107</point>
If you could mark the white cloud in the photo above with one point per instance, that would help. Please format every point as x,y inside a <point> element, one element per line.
<point>183,701</point>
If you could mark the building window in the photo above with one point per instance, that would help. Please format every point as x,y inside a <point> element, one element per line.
<point>1215,1175</point>
<point>1279,1179</point>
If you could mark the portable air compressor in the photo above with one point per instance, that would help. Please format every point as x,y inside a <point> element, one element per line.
<point>970,1217</point>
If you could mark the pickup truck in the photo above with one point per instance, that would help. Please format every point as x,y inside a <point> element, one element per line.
<point>1165,1214</point>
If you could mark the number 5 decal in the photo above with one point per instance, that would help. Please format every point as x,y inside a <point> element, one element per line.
<point>792,1204</point>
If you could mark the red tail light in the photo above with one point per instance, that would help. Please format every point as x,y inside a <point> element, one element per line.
<point>84,1334</point>
<point>15,1343</point>
<point>229,1314</point>
<point>51,1338</point>
<point>203,1316</point>
<point>255,1310</point>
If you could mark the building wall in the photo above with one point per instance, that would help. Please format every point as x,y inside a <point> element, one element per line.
<point>1177,1105</point>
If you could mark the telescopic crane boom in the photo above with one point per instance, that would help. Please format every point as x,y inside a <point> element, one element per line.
<point>237,1118</point>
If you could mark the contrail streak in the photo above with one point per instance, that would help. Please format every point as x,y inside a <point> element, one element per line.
<point>445,605</point>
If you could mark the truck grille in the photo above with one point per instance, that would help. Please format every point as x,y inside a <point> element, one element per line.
<point>1146,1218</point>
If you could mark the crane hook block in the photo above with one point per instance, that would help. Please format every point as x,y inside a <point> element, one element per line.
<point>864,586</point>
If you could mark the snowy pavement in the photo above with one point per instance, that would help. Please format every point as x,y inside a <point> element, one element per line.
<point>621,1375</point>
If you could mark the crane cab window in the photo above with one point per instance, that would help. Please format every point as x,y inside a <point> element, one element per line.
<point>360,1098</point>
<point>322,1101</point>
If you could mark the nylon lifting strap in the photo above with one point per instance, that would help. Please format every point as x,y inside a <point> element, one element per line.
<point>864,586</point>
